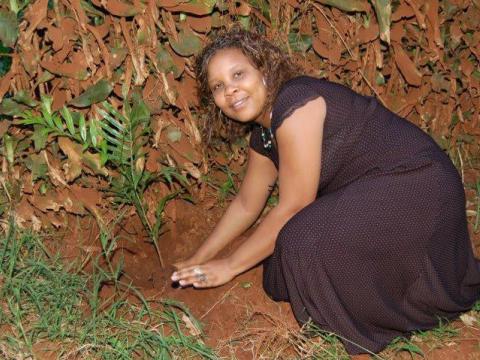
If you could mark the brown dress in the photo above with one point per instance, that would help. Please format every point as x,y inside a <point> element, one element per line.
<point>384,249</point>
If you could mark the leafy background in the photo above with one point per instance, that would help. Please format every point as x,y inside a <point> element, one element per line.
<point>98,102</point>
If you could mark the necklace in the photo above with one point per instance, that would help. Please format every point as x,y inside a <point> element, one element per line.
<point>267,142</point>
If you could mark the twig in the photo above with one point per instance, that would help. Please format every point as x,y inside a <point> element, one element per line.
<point>219,300</point>
<point>350,52</point>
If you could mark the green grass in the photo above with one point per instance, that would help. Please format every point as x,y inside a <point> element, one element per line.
<point>224,189</point>
<point>43,302</point>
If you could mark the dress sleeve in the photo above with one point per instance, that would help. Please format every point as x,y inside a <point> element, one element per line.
<point>256,142</point>
<point>294,94</point>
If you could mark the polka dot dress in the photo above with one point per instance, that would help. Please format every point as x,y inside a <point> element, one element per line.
<point>384,249</point>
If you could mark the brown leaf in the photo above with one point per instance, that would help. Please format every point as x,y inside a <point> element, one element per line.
<point>56,200</point>
<point>403,11</point>
<point>93,162</point>
<point>200,24</point>
<point>189,8</point>
<point>406,66</point>
<point>120,8</point>
<point>418,14</point>
<point>89,197</point>
<point>56,36</point>
<point>71,70</point>
<point>365,35</point>
<point>432,16</point>
<point>73,166</point>
<point>24,212</point>
<point>192,170</point>
<point>53,170</point>
<point>34,15</point>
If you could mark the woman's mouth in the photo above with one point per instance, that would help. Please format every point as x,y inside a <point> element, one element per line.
<point>238,103</point>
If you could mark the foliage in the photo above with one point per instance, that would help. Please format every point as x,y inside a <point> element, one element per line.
<point>43,300</point>
<point>119,140</point>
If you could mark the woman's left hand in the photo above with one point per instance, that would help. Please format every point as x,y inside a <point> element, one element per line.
<point>210,274</point>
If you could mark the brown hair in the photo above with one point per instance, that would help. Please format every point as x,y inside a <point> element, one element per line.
<point>276,66</point>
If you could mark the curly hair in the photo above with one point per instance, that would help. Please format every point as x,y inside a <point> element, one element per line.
<point>276,66</point>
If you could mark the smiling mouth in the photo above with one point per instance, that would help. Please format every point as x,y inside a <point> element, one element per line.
<point>237,104</point>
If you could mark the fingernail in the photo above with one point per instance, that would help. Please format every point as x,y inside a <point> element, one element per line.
<point>182,282</point>
<point>174,277</point>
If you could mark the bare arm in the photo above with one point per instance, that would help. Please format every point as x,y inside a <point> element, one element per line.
<point>299,141</point>
<point>243,210</point>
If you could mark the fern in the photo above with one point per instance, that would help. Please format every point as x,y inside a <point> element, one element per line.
<point>124,134</point>
<point>119,137</point>
<point>63,123</point>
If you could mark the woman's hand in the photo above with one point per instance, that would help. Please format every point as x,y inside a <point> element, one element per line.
<point>187,263</point>
<point>211,274</point>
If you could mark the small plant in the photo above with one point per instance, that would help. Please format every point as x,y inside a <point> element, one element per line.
<point>225,188</point>
<point>400,344</point>
<point>64,123</point>
<point>123,137</point>
<point>119,138</point>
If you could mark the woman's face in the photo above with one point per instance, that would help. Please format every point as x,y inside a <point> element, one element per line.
<point>237,85</point>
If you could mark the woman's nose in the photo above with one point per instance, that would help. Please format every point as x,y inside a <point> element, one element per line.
<point>230,89</point>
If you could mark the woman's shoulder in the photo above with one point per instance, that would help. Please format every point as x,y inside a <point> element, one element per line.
<point>293,94</point>
<point>300,82</point>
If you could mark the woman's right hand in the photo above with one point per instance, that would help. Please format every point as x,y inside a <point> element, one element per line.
<point>188,262</point>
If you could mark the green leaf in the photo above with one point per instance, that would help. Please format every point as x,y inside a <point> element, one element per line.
<point>83,128</point>
<point>91,9</point>
<point>93,131</point>
<point>347,5</point>
<point>188,43</point>
<point>103,152</point>
<point>67,116</point>
<point>37,165</point>
<point>58,122</point>
<point>94,162</point>
<point>9,145</point>
<point>139,112</point>
<point>299,43</point>
<point>165,62</point>
<point>411,348</point>
<point>46,110</point>
<point>8,28</point>
<point>40,137</point>
<point>244,21</point>
<point>94,94</point>
<point>11,108</point>
<point>383,10</point>
<point>22,97</point>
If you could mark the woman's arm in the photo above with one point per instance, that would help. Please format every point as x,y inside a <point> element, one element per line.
<point>299,141</point>
<point>243,210</point>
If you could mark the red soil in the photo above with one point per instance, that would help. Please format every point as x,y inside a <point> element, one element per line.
<point>239,319</point>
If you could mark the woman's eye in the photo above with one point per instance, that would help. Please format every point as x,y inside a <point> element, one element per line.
<point>237,74</point>
<point>216,87</point>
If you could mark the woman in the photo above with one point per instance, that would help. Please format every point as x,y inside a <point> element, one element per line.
<point>369,239</point>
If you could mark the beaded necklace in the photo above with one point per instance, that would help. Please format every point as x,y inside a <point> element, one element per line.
<point>267,142</point>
